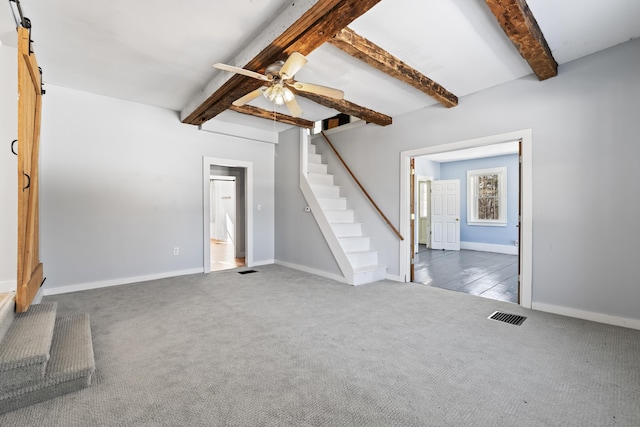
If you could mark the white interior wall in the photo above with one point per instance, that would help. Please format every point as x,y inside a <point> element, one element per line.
<point>8,167</point>
<point>121,186</point>
<point>585,157</point>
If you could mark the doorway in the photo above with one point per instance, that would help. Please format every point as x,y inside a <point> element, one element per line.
<point>523,241</point>
<point>227,217</point>
<point>224,225</point>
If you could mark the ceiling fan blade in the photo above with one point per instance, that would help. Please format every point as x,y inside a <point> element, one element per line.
<point>249,97</point>
<point>292,65</point>
<point>294,108</point>
<point>320,90</point>
<point>242,71</point>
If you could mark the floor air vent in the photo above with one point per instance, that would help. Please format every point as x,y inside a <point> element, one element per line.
<point>513,319</point>
<point>247,272</point>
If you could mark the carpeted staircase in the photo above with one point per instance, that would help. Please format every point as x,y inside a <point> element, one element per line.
<point>41,356</point>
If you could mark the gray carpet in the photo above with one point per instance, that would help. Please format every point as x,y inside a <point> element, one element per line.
<point>284,348</point>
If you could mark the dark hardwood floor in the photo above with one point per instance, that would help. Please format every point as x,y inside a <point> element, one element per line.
<point>486,274</point>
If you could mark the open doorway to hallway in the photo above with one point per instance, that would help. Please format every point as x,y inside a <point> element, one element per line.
<point>483,255</point>
<point>223,223</point>
<point>227,217</point>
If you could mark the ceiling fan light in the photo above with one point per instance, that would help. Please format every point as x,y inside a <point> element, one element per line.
<point>270,93</point>
<point>278,94</point>
<point>287,94</point>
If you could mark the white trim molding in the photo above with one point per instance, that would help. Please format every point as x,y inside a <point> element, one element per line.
<point>473,184</point>
<point>489,247</point>
<point>263,262</point>
<point>309,270</point>
<point>116,282</point>
<point>588,315</point>
<point>526,190</point>
<point>207,162</point>
<point>8,286</point>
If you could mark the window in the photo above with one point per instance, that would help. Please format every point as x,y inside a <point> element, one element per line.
<point>487,197</point>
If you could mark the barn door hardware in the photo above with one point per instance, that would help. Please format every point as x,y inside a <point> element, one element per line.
<point>28,181</point>
<point>42,91</point>
<point>24,21</point>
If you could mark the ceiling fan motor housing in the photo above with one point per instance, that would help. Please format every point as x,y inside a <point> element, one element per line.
<point>273,70</point>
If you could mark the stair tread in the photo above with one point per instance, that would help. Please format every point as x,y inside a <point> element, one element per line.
<point>37,325</point>
<point>69,369</point>
<point>7,309</point>
<point>361,252</point>
<point>369,268</point>
<point>314,185</point>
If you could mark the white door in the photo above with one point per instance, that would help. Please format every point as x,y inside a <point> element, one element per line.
<point>445,214</point>
<point>424,223</point>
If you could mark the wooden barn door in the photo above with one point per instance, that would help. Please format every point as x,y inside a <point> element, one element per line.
<point>30,272</point>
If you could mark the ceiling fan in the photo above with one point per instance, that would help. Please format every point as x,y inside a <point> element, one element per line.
<point>279,79</point>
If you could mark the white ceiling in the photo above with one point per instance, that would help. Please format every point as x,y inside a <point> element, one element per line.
<point>159,52</point>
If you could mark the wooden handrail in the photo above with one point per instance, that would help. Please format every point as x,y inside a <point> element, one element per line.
<point>384,217</point>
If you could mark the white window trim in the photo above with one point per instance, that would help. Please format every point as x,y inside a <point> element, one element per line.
<point>472,192</point>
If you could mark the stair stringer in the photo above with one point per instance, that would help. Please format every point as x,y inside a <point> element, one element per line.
<point>318,214</point>
<point>329,236</point>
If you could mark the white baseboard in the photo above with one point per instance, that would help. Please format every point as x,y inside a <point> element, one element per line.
<point>489,247</point>
<point>8,286</point>
<point>116,282</point>
<point>587,315</point>
<point>394,278</point>
<point>263,262</point>
<point>312,271</point>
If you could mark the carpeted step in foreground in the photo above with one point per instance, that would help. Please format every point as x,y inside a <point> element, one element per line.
<point>7,309</point>
<point>42,357</point>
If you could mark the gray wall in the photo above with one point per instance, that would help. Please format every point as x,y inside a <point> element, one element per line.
<point>299,240</point>
<point>586,202</point>
<point>8,168</point>
<point>121,185</point>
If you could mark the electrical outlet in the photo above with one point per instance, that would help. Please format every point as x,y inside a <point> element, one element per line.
<point>176,251</point>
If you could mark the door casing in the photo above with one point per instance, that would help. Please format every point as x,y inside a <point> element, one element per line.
<point>526,203</point>
<point>207,162</point>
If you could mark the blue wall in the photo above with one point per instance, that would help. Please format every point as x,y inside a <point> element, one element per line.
<point>486,234</point>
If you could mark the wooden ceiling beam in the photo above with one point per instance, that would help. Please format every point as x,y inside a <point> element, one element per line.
<point>349,108</point>
<point>368,52</point>
<point>519,24</point>
<point>308,24</point>
<point>272,115</point>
